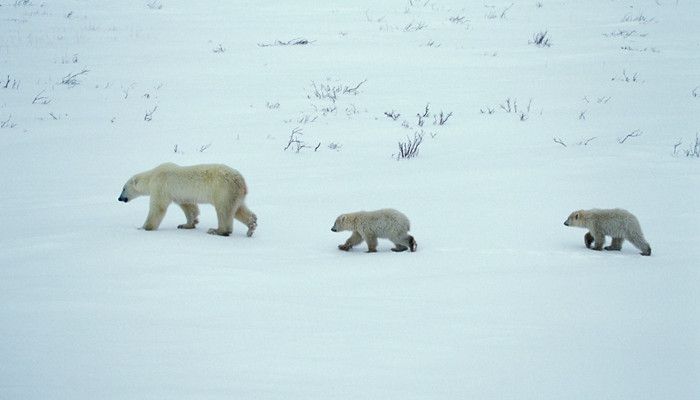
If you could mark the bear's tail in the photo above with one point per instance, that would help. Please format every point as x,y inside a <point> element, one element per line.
<point>412,243</point>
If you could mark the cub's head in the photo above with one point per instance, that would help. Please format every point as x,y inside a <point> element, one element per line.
<point>341,224</point>
<point>575,219</point>
<point>133,188</point>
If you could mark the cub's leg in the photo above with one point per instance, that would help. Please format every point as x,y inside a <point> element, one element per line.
<point>403,243</point>
<point>371,240</point>
<point>598,239</point>
<point>413,243</point>
<point>353,240</point>
<point>616,244</point>
<point>588,239</point>
<point>191,212</point>
<point>641,244</point>
<point>399,248</point>
<point>246,216</point>
<point>156,213</point>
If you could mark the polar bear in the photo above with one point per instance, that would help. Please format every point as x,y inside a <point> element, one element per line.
<point>214,184</point>
<point>370,225</point>
<point>618,223</point>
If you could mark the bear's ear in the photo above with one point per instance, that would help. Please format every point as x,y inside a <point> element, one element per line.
<point>342,218</point>
<point>134,181</point>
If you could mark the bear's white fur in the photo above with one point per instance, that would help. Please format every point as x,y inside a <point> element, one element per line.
<point>214,184</point>
<point>618,223</point>
<point>369,225</point>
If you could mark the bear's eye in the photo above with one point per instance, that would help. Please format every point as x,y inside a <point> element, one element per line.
<point>576,217</point>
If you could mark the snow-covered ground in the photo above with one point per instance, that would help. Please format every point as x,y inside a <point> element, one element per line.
<point>501,300</point>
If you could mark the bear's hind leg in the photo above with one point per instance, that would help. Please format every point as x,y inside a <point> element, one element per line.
<point>249,218</point>
<point>616,244</point>
<point>224,213</point>
<point>191,213</point>
<point>353,240</point>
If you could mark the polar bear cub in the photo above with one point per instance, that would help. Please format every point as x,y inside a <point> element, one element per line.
<point>369,225</point>
<point>618,223</point>
<point>215,184</point>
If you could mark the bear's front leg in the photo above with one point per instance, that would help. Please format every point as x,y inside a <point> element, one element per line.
<point>191,212</point>
<point>353,240</point>
<point>588,239</point>
<point>155,213</point>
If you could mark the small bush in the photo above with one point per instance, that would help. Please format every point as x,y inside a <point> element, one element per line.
<point>293,42</point>
<point>10,83</point>
<point>330,91</point>
<point>7,123</point>
<point>410,148</point>
<point>72,78</point>
<point>296,143</point>
<point>693,151</point>
<point>540,39</point>
<point>154,5</point>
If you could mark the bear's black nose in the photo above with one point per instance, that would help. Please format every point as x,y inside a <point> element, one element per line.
<point>124,199</point>
<point>332,229</point>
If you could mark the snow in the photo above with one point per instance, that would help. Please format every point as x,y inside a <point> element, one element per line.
<point>501,300</point>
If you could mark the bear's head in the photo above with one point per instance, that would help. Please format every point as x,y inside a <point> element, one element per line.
<point>575,219</point>
<point>132,189</point>
<point>340,224</point>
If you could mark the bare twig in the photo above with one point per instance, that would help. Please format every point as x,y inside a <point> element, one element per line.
<point>149,114</point>
<point>634,134</point>
<point>41,99</point>
<point>72,78</point>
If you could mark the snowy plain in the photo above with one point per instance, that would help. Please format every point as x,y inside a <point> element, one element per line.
<point>501,300</point>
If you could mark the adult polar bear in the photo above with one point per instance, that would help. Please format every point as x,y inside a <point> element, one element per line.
<point>215,184</point>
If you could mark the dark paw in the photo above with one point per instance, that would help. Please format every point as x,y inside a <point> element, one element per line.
<point>185,226</point>
<point>218,232</point>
